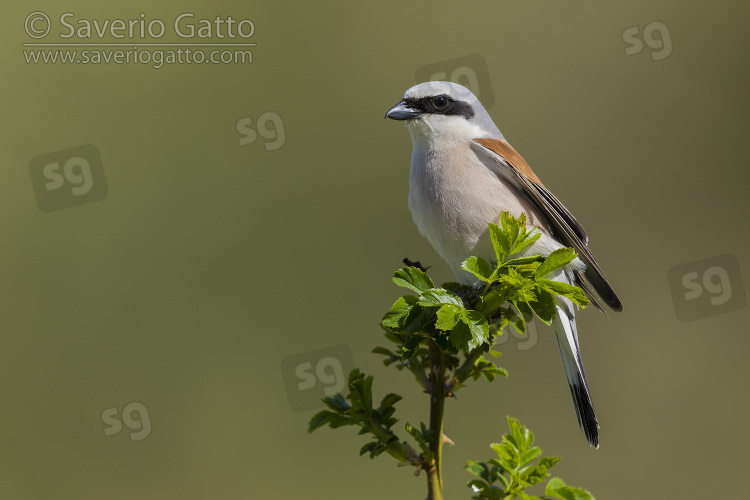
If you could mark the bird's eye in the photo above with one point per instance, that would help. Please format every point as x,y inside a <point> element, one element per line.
<point>440,102</point>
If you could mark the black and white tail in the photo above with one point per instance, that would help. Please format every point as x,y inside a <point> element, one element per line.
<point>567,340</point>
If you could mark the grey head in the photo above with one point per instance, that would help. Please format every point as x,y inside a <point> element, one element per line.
<point>443,98</point>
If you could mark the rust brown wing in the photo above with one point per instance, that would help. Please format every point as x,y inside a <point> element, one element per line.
<point>512,166</point>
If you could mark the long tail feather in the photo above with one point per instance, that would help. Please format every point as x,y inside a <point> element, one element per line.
<point>567,340</point>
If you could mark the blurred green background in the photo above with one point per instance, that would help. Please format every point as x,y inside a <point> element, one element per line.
<point>216,254</point>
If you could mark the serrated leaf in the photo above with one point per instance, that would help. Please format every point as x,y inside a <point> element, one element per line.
<point>478,267</point>
<point>477,323</point>
<point>411,345</point>
<point>418,318</point>
<point>521,435</point>
<point>506,451</point>
<point>525,310</point>
<point>336,403</point>
<point>516,321</point>
<point>522,261</point>
<point>573,293</point>
<point>479,469</point>
<point>513,279</point>
<point>500,243</point>
<point>511,226</point>
<point>478,485</point>
<point>548,462</point>
<point>537,474</point>
<point>544,307</point>
<point>382,350</point>
<point>399,310</point>
<point>530,454</point>
<point>554,261</point>
<point>388,401</point>
<point>461,336</point>
<point>447,317</point>
<point>438,296</point>
<point>413,278</point>
<point>320,419</point>
<point>557,488</point>
<point>527,240</point>
<point>368,448</point>
<point>489,370</point>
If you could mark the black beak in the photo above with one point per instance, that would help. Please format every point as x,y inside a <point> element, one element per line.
<point>402,111</point>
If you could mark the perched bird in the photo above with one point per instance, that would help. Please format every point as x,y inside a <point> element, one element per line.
<point>463,175</point>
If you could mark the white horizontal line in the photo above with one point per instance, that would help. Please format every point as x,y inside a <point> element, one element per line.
<point>139,44</point>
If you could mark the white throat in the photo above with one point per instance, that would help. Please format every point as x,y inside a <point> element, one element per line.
<point>438,131</point>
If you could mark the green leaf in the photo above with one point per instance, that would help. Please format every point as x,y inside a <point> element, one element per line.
<point>511,226</point>
<point>517,321</point>
<point>489,370</point>
<point>520,261</point>
<point>413,278</point>
<point>337,403</point>
<point>478,327</point>
<point>470,331</point>
<point>479,469</point>
<point>321,418</point>
<point>500,243</point>
<point>448,316</point>
<point>383,351</point>
<point>557,488</point>
<point>530,454</point>
<point>477,485</point>
<point>438,296</point>
<point>507,453</point>
<point>554,261</point>
<point>514,470</point>
<point>399,310</point>
<point>390,399</point>
<point>478,267</point>
<point>490,303</point>
<point>360,389</point>
<point>461,336</point>
<point>452,285</point>
<point>525,310</point>
<point>548,462</point>
<point>544,307</point>
<point>527,240</point>
<point>418,319</point>
<point>573,293</point>
<point>368,448</point>
<point>537,474</point>
<point>522,435</point>
<point>411,345</point>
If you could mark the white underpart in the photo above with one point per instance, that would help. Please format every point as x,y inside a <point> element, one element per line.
<point>453,195</point>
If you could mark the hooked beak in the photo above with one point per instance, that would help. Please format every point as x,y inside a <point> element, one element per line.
<point>402,111</point>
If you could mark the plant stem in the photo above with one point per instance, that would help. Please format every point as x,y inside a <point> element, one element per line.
<point>437,406</point>
<point>463,372</point>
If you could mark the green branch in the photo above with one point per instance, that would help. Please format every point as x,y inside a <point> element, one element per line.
<point>432,330</point>
<point>437,407</point>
